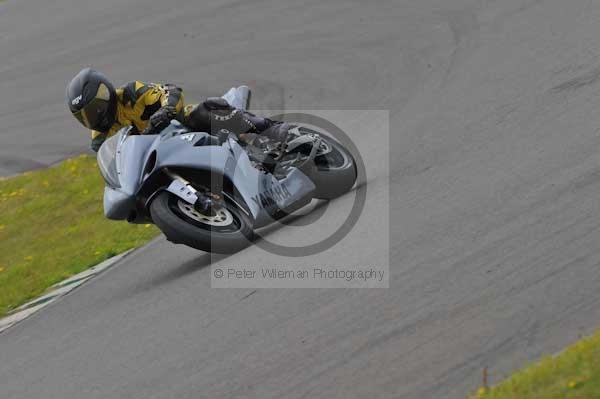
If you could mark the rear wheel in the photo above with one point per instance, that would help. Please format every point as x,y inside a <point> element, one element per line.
<point>335,172</point>
<point>225,230</point>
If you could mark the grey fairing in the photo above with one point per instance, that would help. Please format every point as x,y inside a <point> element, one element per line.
<point>262,194</point>
<point>131,156</point>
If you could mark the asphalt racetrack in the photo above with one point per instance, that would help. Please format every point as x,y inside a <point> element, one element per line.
<point>493,185</point>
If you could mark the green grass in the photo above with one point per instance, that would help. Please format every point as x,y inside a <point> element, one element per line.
<point>52,226</point>
<point>573,374</point>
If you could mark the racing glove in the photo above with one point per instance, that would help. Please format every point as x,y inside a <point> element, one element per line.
<point>160,120</point>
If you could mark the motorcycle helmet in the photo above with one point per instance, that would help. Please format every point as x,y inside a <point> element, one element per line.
<point>92,99</point>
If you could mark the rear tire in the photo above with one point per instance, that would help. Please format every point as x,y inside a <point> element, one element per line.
<point>229,232</point>
<point>335,172</point>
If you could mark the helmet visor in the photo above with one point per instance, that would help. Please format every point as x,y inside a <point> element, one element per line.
<point>94,114</point>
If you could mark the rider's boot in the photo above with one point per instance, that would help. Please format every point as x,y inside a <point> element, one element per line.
<point>278,132</point>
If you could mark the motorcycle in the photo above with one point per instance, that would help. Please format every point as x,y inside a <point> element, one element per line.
<point>211,192</point>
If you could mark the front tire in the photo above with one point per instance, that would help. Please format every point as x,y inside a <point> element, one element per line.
<point>227,231</point>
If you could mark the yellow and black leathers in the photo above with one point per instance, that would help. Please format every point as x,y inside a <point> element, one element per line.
<point>136,103</point>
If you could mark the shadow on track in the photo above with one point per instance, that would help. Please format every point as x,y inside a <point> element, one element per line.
<point>184,270</point>
<point>203,260</point>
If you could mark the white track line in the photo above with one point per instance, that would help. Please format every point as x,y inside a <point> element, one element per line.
<point>58,290</point>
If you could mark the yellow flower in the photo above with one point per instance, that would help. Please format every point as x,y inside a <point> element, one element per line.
<point>1,269</point>
<point>147,225</point>
<point>14,193</point>
<point>481,391</point>
<point>572,384</point>
<point>73,169</point>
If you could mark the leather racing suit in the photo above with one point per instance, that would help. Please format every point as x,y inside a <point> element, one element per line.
<point>141,105</point>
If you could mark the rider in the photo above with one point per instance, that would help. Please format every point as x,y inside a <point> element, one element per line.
<point>150,107</point>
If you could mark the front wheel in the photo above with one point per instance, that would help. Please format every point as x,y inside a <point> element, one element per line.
<point>225,230</point>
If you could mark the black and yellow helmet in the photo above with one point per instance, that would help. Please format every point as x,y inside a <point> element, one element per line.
<point>92,99</point>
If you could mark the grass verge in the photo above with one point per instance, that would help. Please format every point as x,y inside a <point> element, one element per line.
<point>52,226</point>
<point>572,374</point>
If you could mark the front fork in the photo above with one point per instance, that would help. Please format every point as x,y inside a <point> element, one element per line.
<point>203,201</point>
